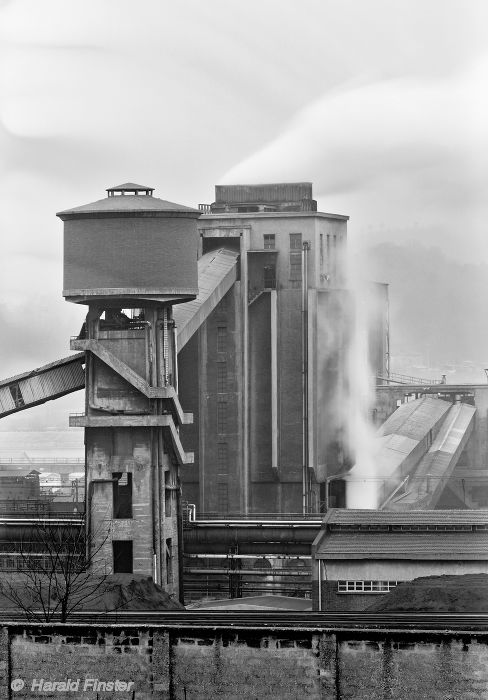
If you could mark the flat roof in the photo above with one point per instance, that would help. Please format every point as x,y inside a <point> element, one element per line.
<point>274,215</point>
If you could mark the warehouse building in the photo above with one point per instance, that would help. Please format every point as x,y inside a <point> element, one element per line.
<point>361,554</point>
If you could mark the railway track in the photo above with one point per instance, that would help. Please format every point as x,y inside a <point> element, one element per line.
<point>455,622</point>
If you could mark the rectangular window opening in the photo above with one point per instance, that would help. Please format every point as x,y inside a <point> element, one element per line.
<point>221,377</point>
<point>269,241</point>
<point>222,498</point>
<point>169,561</point>
<point>222,417</point>
<point>221,338</point>
<point>122,495</point>
<point>122,556</point>
<point>168,495</point>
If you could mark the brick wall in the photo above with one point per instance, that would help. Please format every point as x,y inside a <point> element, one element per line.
<point>282,664</point>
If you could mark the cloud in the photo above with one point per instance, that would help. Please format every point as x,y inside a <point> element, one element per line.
<point>402,144</point>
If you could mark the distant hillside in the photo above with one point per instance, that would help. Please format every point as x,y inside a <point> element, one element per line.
<point>438,307</point>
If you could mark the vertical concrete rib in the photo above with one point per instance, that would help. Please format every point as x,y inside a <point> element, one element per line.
<point>245,370</point>
<point>274,379</point>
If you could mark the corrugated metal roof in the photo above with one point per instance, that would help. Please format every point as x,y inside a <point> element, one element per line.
<point>405,545</point>
<point>415,418</point>
<point>344,516</point>
<point>216,275</point>
<point>262,193</point>
<point>431,475</point>
<point>128,203</point>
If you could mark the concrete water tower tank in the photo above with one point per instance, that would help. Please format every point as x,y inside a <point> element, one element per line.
<point>130,249</point>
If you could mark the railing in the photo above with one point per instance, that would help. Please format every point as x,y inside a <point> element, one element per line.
<point>205,208</point>
<point>35,507</point>
<point>408,379</point>
<point>209,515</point>
<point>43,460</point>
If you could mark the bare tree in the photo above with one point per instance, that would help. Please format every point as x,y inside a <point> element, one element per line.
<point>53,575</point>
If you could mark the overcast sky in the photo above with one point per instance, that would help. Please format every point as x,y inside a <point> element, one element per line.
<point>382,104</point>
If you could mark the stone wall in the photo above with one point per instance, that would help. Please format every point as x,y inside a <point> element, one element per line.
<point>278,664</point>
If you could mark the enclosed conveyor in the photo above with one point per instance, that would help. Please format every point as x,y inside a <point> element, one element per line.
<point>431,476</point>
<point>42,384</point>
<point>217,272</point>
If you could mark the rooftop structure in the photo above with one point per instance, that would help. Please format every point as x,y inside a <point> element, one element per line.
<point>358,548</point>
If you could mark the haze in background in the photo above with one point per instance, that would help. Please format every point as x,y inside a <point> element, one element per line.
<point>382,105</point>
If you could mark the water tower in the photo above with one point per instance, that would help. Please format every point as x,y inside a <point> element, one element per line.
<point>130,257</point>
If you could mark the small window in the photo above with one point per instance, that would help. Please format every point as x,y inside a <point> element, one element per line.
<point>122,495</point>
<point>222,498</point>
<point>269,277</point>
<point>168,495</point>
<point>169,561</point>
<point>221,377</point>
<point>122,556</point>
<point>295,241</point>
<point>295,266</point>
<point>321,251</point>
<point>366,586</point>
<point>269,241</point>
<point>221,339</point>
<point>222,459</point>
<point>222,417</point>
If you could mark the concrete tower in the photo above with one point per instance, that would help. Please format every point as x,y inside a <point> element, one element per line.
<point>129,258</point>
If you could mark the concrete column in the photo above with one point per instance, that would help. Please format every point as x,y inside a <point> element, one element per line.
<point>245,372</point>
<point>161,665</point>
<point>275,459</point>
<point>4,663</point>
<point>328,669</point>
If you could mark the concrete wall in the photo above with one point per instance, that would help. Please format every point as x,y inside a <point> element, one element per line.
<point>280,665</point>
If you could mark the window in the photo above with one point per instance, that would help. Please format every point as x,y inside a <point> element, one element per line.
<point>221,377</point>
<point>269,277</point>
<point>122,556</point>
<point>222,498</point>
<point>122,495</point>
<point>269,241</point>
<point>222,417</point>
<point>222,459</point>
<point>366,586</point>
<point>221,339</point>
<point>295,257</point>
<point>169,561</point>
<point>295,266</point>
<point>321,251</point>
<point>168,495</point>
<point>295,241</point>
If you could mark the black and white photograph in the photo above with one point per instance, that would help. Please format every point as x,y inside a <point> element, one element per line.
<point>244,350</point>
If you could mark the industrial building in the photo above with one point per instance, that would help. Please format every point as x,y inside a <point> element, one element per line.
<point>261,373</point>
<point>214,362</point>
<point>361,554</point>
<point>130,257</point>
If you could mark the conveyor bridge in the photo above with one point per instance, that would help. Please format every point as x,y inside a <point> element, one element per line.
<point>217,272</point>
